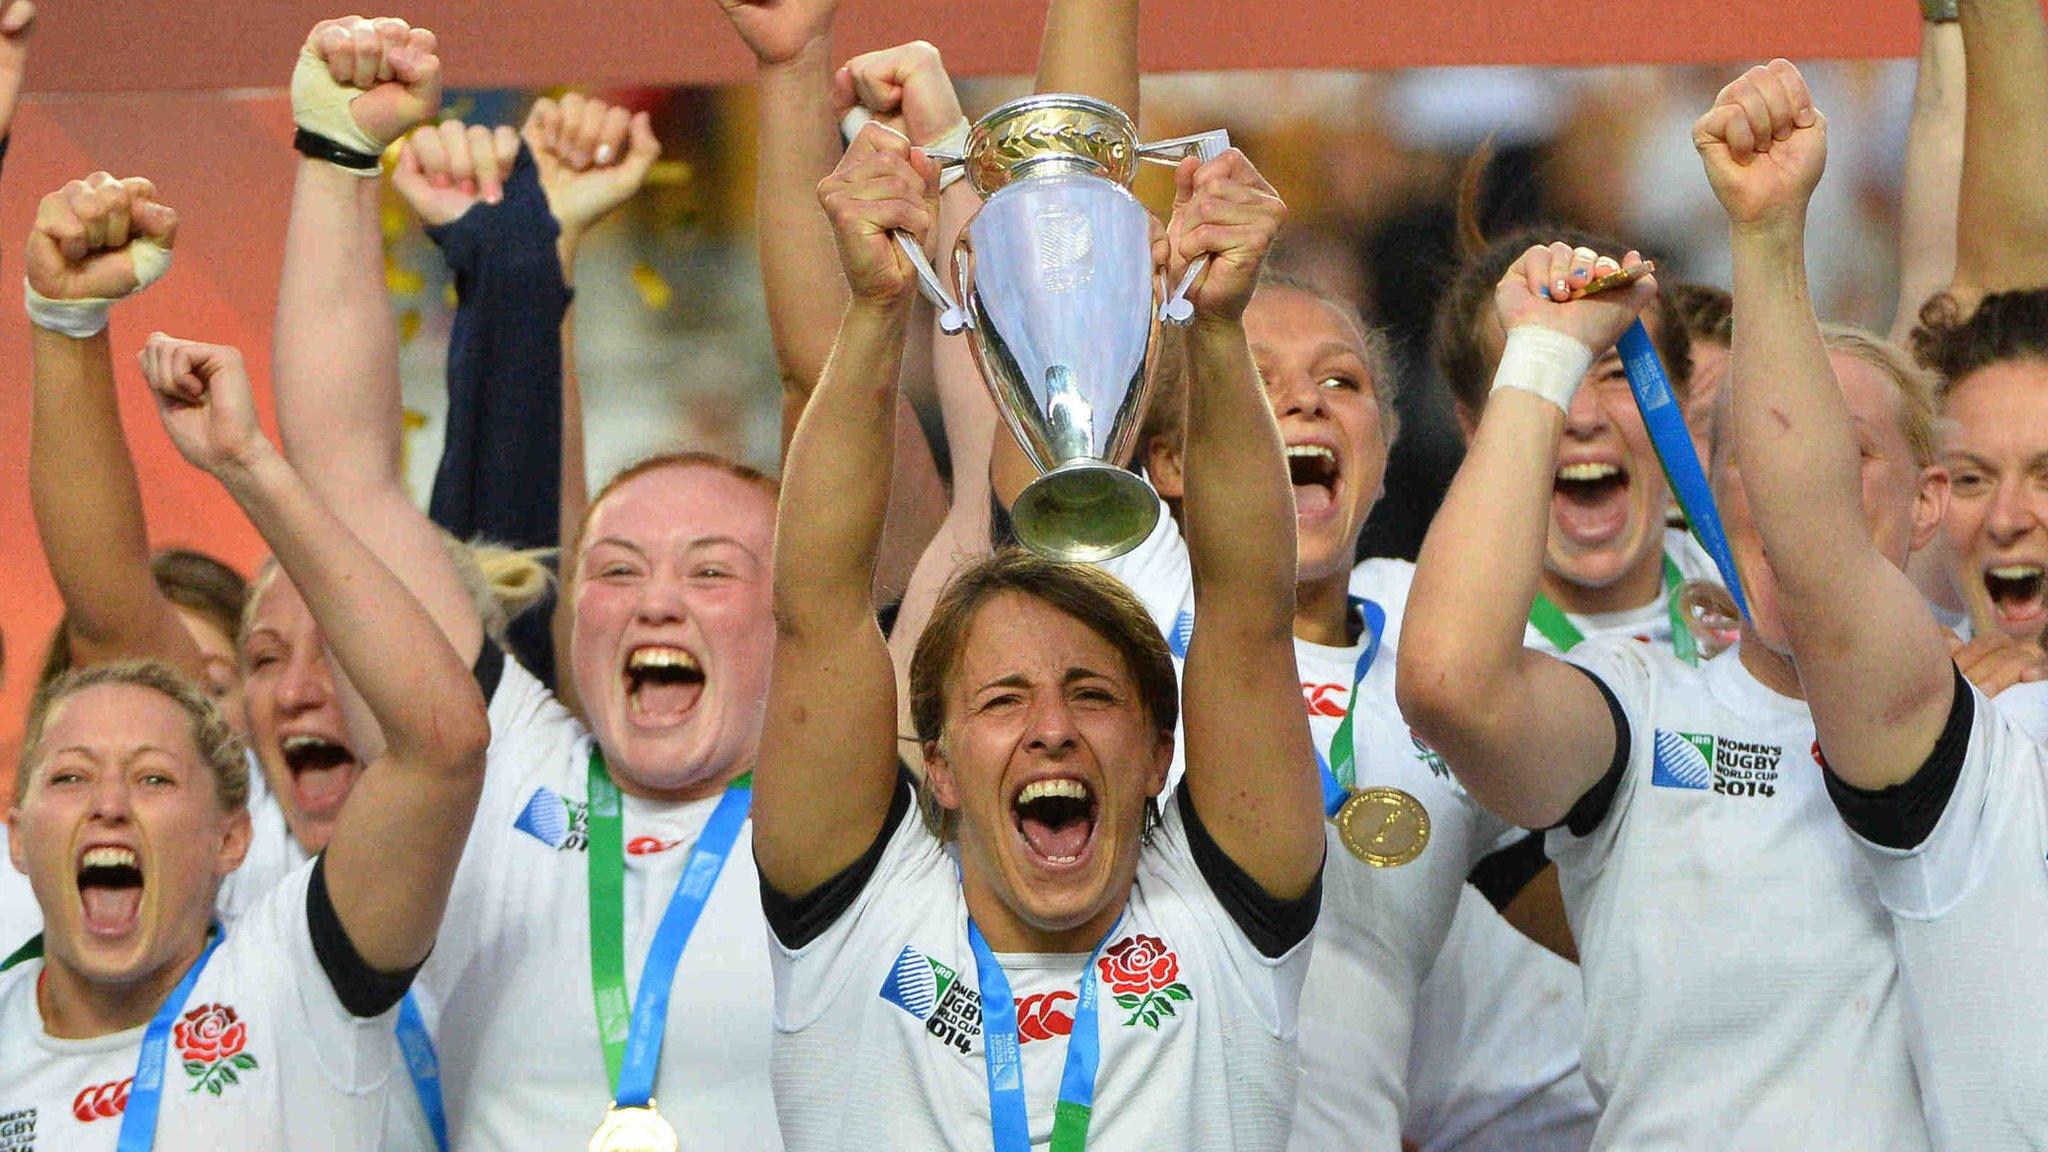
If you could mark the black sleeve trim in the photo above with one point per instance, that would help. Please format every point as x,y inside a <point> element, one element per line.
<point>1275,926</point>
<point>489,669</point>
<point>1903,816</point>
<point>798,920</point>
<point>1593,807</point>
<point>363,990</point>
<point>1501,876</point>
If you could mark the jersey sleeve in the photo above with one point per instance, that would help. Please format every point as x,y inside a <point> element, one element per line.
<point>1932,838</point>
<point>1159,573</point>
<point>1619,668</point>
<point>864,910</point>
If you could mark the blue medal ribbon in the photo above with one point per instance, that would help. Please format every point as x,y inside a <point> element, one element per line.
<point>657,976</point>
<point>1337,781</point>
<point>423,1064</point>
<point>1009,1114</point>
<point>1668,434</point>
<point>145,1097</point>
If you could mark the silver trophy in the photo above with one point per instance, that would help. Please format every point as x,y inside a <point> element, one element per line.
<point>1062,305</point>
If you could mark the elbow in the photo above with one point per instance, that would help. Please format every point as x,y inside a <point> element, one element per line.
<point>1427,688</point>
<point>457,738</point>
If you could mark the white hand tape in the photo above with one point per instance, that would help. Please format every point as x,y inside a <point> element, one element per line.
<point>80,319</point>
<point>321,106</point>
<point>1543,361</point>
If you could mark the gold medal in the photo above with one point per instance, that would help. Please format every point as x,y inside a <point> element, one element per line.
<point>635,1130</point>
<point>1385,827</point>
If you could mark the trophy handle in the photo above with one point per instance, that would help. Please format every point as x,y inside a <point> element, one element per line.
<point>952,317</point>
<point>1177,310</point>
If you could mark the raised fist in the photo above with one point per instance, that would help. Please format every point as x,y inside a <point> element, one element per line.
<point>1544,286</point>
<point>1764,145</point>
<point>202,394</point>
<point>16,17</point>
<point>906,87</point>
<point>881,184</point>
<point>365,83</point>
<point>777,30</point>
<point>1226,210</point>
<point>446,169</point>
<point>93,239</point>
<point>592,158</point>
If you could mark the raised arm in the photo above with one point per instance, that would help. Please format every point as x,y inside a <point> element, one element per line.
<point>1091,47</point>
<point>1874,664</point>
<point>394,852</point>
<point>828,746</point>
<point>16,21</point>
<point>97,239</point>
<point>359,84</point>
<point>1934,173</point>
<point>2002,218</point>
<point>1525,733</point>
<point>1251,769</point>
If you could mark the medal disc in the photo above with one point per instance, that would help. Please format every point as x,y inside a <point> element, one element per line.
<point>635,1130</point>
<point>1385,827</point>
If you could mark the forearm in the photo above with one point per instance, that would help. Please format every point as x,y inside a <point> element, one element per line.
<point>88,508</point>
<point>418,690</point>
<point>1238,512</point>
<point>835,487</point>
<point>1091,47</point>
<point>1933,176</point>
<point>335,352</point>
<point>798,145</point>
<point>2002,234</point>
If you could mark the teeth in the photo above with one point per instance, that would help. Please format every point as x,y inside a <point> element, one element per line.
<point>660,658</point>
<point>1046,789</point>
<point>1316,451</point>
<point>1061,859</point>
<point>109,858</point>
<point>2017,571</point>
<point>303,742</point>
<point>1587,471</point>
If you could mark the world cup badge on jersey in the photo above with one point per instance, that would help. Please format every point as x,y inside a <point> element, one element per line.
<point>1385,827</point>
<point>635,1130</point>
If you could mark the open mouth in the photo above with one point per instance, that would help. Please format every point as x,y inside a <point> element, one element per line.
<point>662,685</point>
<point>1589,500</point>
<point>323,771</point>
<point>2016,594</point>
<point>1312,469</point>
<point>110,889</point>
<point>1056,818</point>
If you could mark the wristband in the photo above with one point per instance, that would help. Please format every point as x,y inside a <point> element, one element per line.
<point>1543,361</point>
<point>320,106</point>
<point>317,147</point>
<point>1938,11</point>
<point>80,319</point>
<point>953,140</point>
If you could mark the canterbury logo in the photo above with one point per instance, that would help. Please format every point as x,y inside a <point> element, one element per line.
<point>102,1101</point>
<point>1045,1016</point>
<point>1325,699</point>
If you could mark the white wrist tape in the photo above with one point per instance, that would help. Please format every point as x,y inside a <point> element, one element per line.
<point>320,105</point>
<point>953,139</point>
<point>1543,361</point>
<point>80,319</point>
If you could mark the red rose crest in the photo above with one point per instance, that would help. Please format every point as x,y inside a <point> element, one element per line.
<point>211,1038</point>
<point>101,1101</point>
<point>1144,976</point>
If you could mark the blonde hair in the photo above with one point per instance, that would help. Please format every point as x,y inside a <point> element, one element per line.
<point>502,582</point>
<point>1918,407</point>
<point>218,746</point>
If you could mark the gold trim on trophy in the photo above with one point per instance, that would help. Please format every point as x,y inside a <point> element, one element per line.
<point>1385,827</point>
<point>1027,133</point>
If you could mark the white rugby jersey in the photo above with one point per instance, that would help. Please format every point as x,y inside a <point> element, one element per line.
<point>1741,989</point>
<point>20,916</point>
<point>878,1016</point>
<point>1961,858</point>
<point>1381,928</point>
<point>263,1055</point>
<point>521,1063</point>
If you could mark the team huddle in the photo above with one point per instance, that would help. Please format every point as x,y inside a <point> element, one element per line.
<point>1615,820</point>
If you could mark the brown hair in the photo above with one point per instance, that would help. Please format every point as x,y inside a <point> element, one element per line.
<point>218,746</point>
<point>1459,343</point>
<point>2006,326</point>
<point>1166,410</point>
<point>190,580</point>
<point>1093,597</point>
<point>656,463</point>
<point>1706,312</point>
